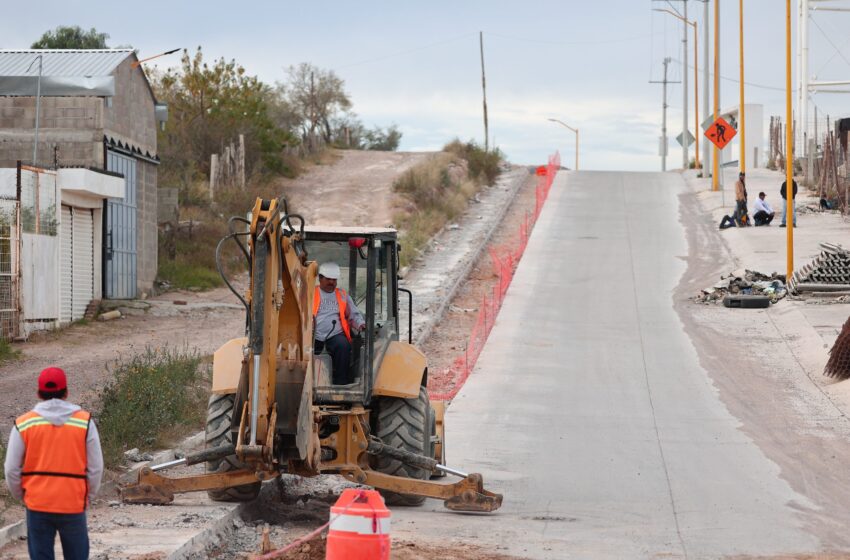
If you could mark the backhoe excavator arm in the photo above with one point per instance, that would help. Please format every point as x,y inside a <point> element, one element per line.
<point>279,344</point>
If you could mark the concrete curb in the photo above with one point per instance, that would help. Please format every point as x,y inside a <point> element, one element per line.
<point>436,317</point>
<point>195,548</point>
<point>13,532</point>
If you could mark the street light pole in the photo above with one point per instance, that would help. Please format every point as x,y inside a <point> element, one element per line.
<point>715,164</point>
<point>37,106</point>
<point>743,126</point>
<point>685,85</point>
<point>706,153</point>
<point>696,85</point>
<point>574,130</point>
<point>789,151</point>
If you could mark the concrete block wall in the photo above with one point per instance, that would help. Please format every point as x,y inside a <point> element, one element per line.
<point>147,233</point>
<point>76,126</point>
<point>71,124</point>
<point>131,117</point>
<point>168,205</point>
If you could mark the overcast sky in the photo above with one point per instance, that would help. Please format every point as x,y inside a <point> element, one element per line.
<point>416,64</point>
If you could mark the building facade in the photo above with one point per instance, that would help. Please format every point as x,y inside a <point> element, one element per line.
<point>95,109</point>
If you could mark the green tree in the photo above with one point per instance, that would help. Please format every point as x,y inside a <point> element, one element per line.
<point>210,105</point>
<point>71,37</point>
<point>386,140</point>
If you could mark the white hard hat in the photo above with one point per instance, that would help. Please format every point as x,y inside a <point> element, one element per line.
<point>329,270</point>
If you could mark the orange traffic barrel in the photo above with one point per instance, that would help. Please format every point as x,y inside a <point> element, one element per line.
<point>360,527</point>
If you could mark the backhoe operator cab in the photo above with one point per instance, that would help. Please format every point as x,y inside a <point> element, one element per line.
<point>368,261</point>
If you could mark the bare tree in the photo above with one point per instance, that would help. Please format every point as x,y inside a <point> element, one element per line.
<point>316,96</point>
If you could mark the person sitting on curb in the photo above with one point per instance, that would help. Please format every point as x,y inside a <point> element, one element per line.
<point>728,221</point>
<point>764,213</point>
<point>782,192</point>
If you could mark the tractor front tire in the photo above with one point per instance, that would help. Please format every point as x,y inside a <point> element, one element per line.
<point>404,424</point>
<point>219,416</point>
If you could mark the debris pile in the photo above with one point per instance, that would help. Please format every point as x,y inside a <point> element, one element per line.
<point>828,274</point>
<point>750,282</point>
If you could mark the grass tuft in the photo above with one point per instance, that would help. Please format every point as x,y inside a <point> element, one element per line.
<point>153,396</point>
<point>439,190</point>
<point>7,352</point>
<point>187,276</point>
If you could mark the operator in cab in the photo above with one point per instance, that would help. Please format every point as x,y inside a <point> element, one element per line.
<point>335,317</point>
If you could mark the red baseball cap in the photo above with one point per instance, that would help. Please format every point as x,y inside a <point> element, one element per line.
<point>52,379</point>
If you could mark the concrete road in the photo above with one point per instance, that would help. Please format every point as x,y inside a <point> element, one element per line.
<point>589,409</point>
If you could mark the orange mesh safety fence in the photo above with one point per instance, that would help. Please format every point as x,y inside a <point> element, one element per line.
<point>445,384</point>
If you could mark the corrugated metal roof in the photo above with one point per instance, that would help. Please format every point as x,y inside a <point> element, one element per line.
<point>66,63</point>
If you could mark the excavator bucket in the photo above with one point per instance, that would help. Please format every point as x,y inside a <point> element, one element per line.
<point>474,497</point>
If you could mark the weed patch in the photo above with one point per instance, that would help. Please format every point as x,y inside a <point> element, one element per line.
<point>152,397</point>
<point>186,276</point>
<point>439,190</point>
<point>7,352</point>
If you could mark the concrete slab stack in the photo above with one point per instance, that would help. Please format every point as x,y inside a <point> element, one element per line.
<point>828,272</point>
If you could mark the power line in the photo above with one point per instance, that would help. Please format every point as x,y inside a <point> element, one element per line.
<point>569,43</point>
<point>837,50</point>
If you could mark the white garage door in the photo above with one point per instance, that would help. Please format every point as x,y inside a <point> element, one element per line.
<point>83,261</point>
<point>77,262</point>
<point>66,252</point>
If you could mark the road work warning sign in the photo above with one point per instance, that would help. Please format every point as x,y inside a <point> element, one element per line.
<point>720,133</point>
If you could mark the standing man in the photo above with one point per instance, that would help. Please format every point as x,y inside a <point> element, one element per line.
<point>741,200</point>
<point>334,317</point>
<point>54,464</point>
<point>763,212</point>
<point>783,191</point>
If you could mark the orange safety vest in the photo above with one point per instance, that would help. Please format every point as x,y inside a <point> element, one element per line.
<point>342,300</point>
<point>54,472</point>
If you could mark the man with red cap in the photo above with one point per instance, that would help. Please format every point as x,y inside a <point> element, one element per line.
<point>54,463</point>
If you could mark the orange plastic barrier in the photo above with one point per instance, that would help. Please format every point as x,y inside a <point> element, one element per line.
<point>444,385</point>
<point>359,527</point>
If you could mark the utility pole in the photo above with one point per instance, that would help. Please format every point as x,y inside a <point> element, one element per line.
<point>789,150</point>
<point>663,143</point>
<point>685,85</point>
<point>37,107</point>
<point>803,54</point>
<point>716,159</point>
<point>742,126</point>
<point>706,148</point>
<point>484,90</point>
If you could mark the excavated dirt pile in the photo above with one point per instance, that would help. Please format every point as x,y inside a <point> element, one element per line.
<point>293,507</point>
<point>748,283</point>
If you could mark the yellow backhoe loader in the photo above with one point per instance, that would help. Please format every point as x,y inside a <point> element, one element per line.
<point>274,407</point>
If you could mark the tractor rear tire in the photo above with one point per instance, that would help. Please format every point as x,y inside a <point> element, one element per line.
<point>219,416</point>
<point>404,424</point>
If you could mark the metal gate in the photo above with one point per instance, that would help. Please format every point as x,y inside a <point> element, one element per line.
<point>9,270</point>
<point>119,277</point>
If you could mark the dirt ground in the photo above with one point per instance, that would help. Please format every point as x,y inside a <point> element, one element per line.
<point>292,507</point>
<point>361,196</point>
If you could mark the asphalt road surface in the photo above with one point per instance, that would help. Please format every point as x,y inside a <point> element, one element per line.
<point>589,409</point>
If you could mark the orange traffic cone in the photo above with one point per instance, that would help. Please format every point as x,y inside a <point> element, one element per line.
<point>360,527</point>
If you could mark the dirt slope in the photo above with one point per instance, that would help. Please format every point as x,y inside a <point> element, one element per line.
<point>356,190</point>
